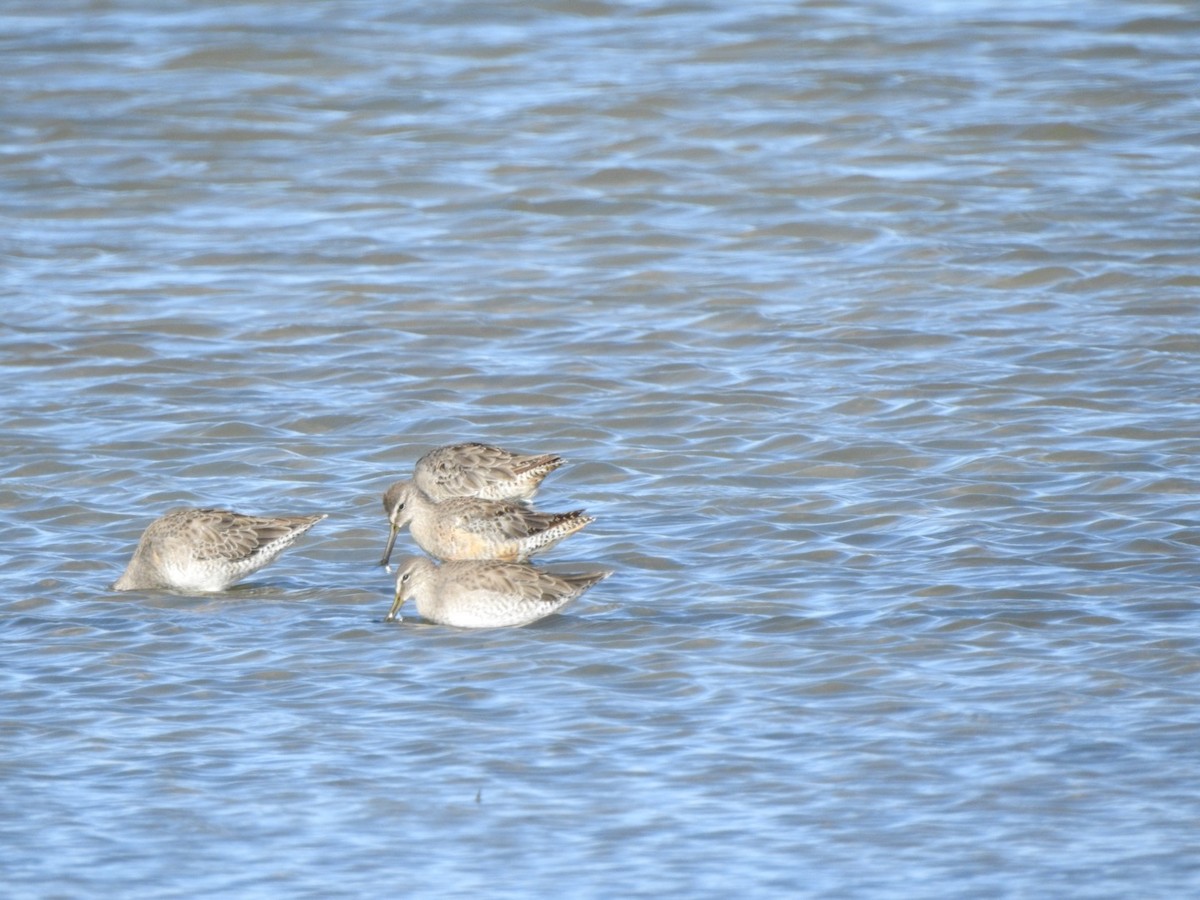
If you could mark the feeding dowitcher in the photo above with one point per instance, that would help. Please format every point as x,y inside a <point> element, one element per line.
<point>470,528</point>
<point>480,470</point>
<point>486,593</point>
<point>207,549</point>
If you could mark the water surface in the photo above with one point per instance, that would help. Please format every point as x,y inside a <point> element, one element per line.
<point>870,331</point>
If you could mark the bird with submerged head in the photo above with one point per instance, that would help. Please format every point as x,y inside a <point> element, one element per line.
<point>202,550</point>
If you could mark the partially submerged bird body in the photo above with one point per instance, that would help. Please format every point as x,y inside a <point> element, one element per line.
<point>471,528</point>
<point>481,470</point>
<point>203,550</point>
<point>486,593</point>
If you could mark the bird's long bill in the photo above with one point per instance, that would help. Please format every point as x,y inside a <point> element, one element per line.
<point>396,604</point>
<point>387,554</point>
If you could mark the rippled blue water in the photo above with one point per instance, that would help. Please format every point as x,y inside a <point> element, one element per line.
<point>870,332</point>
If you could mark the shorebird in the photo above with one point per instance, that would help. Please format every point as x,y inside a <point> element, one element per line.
<point>486,593</point>
<point>471,528</point>
<point>207,549</point>
<point>480,470</point>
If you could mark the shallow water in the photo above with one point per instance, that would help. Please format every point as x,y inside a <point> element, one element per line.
<point>870,332</point>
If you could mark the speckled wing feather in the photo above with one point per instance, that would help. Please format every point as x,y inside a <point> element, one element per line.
<point>554,586</point>
<point>481,470</point>
<point>502,521</point>
<point>221,534</point>
<point>536,585</point>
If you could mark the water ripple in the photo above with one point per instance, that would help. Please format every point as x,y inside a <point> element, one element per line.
<point>869,333</point>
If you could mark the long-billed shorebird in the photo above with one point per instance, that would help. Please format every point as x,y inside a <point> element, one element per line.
<point>484,593</point>
<point>471,528</point>
<point>481,470</point>
<point>207,549</point>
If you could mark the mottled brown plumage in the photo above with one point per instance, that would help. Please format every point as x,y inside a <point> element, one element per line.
<point>486,594</point>
<point>208,549</point>
<point>471,528</point>
<point>481,470</point>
